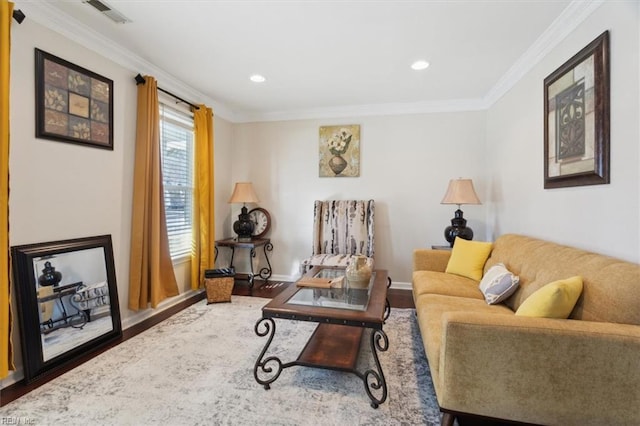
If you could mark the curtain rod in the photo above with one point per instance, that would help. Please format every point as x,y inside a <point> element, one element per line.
<point>140,80</point>
<point>18,16</point>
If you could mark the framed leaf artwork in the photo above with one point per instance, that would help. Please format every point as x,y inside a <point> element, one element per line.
<point>576,119</point>
<point>73,104</point>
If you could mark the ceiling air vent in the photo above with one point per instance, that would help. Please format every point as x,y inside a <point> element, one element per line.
<point>107,10</point>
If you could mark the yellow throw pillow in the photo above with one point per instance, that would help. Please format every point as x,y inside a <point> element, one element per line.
<point>554,300</point>
<point>468,258</point>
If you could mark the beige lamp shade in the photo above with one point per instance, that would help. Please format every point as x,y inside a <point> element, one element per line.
<point>243,193</point>
<point>460,191</point>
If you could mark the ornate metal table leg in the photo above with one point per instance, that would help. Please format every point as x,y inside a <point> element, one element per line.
<point>233,251</point>
<point>265,273</point>
<point>387,305</point>
<point>252,256</point>
<point>81,313</point>
<point>374,379</point>
<point>264,327</point>
<point>65,317</point>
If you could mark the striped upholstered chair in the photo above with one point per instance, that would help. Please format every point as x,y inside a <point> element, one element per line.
<point>341,228</point>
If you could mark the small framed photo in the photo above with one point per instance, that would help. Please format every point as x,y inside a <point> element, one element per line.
<point>576,119</point>
<point>73,104</point>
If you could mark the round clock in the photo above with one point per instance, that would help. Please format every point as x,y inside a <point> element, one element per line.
<point>261,222</point>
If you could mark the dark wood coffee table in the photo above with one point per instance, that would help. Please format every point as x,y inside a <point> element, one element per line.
<point>343,315</point>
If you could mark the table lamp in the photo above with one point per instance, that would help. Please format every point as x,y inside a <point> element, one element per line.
<point>460,191</point>
<point>243,193</point>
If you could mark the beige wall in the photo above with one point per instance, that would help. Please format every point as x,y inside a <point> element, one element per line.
<point>408,160</point>
<point>602,218</point>
<point>406,163</point>
<point>62,191</point>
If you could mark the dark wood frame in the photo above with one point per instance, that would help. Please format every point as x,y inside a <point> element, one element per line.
<point>25,283</point>
<point>336,341</point>
<point>599,49</point>
<point>92,103</point>
<point>266,213</point>
<point>372,317</point>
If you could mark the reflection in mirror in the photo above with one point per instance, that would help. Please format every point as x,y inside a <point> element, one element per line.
<point>68,300</point>
<point>72,293</point>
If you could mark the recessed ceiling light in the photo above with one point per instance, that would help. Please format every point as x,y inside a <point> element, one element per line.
<point>420,65</point>
<point>257,78</point>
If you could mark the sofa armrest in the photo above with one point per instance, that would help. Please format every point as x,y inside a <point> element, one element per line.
<point>430,260</point>
<point>539,370</point>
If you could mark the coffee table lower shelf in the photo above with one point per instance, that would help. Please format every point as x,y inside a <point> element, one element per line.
<point>332,347</point>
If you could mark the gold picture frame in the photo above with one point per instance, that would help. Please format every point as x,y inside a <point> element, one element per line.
<point>73,104</point>
<point>339,151</point>
<point>576,119</point>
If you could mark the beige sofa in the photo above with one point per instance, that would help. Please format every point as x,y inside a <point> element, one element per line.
<point>486,361</point>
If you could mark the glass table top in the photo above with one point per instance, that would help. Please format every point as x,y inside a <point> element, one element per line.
<point>343,297</point>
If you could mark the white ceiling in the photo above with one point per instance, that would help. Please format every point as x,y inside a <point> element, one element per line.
<point>324,55</point>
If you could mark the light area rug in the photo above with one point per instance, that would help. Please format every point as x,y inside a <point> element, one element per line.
<point>196,368</point>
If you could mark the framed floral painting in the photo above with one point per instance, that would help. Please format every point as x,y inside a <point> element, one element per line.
<point>339,151</point>
<point>73,104</point>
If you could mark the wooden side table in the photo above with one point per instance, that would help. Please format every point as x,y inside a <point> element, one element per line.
<point>233,244</point>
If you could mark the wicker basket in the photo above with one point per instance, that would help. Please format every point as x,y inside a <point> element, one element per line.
<point>218,289</point>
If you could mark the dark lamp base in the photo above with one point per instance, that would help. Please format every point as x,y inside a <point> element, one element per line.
<point>243,226</point>
<point>458,228</point>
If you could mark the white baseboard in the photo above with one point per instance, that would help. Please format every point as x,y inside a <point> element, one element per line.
<point>401,285</point>
<point>163,306</point>
<point>12,377</point>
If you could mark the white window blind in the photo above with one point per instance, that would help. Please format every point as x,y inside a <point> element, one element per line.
<point>176,139</point>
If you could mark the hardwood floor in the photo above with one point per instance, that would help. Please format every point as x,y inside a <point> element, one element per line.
<point>397,299</point>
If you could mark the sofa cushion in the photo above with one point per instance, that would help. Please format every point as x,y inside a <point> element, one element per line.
<point>498,284</point>
<point>554,300</point>
<point>430,309</point>
<point>468,258</point>
<point>611,291</point>
<point>339,260</point>
<point>430,282</point>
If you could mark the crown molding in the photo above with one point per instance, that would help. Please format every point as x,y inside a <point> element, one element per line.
<point>422,107</point>
<point>54,19</point>
<point>573,15</point>
<point>570,18</point>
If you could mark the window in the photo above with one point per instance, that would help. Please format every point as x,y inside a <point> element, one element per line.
<point>176,140</point>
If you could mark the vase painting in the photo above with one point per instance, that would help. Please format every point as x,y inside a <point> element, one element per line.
<point>339,151</point>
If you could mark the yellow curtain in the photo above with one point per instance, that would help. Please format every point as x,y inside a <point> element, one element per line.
<point>202,253</point>
<point>6,353</point>
<point>151,276</point>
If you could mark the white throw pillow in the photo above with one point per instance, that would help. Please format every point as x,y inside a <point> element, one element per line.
<point>498,284</point>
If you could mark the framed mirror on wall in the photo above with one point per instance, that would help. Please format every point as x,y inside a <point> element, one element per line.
<point>67,301</point>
